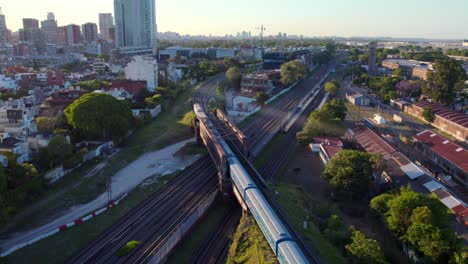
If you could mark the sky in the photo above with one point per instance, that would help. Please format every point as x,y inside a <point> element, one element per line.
<point>441,19</point>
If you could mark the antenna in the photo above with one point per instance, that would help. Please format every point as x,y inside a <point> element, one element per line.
<point>262,30</point>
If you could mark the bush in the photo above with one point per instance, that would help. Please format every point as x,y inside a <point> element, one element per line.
<point>125,250</point>
<point>74,161</point>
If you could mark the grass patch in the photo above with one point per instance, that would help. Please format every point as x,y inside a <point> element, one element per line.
<point>125,250</point>
<point>171,126</point>
<point>191,149</point>
<point>249,244</point>
<point>185,251</point>
<point>267,152</point>
<point>57,249</point>
<point>299,206</point>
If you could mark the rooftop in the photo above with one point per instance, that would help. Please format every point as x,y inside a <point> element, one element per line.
<point>452,152</point>
<point>445,112</point>
<point>372,142</point>
<point>330,145</point>
<point>8,143</point>
<point>409,63</point>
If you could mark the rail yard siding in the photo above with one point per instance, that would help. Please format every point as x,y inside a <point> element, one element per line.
<point>161,255</point>
<point>62,228</point>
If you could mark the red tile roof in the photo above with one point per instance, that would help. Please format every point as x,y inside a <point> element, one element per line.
<point>445,112</point>
<point>452,152</point>
<point>331,145</point>
<point>372,142</point>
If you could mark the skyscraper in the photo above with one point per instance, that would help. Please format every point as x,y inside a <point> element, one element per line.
<point>30,23</point>
<point>90,32</point>
<point>49,27</point>
<point>32,34</point>
<point>106,22</point>
<point>373,58</point>
<point>3,29</point>
<point>73,34</point>
<point>135,23</point>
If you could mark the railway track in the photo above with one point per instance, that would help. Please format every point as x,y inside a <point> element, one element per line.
<point>102,249</point>
<point>216,247</point>
<point>155,219</point>
<point>267,121</point>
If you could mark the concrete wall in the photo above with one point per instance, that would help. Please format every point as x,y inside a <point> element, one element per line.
<point>164,251</point>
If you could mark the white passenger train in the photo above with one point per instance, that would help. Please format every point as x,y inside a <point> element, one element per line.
<point>280,240</point>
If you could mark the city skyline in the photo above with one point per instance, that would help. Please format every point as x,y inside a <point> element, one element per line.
<point>341,18</point>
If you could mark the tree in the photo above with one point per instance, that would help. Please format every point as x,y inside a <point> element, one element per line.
<point>427,239</point>
<point>292,72</point>
<point>364,250</point>
<point>330,49</point>
<point>398,72</point>
<point>409,88</point>
<point>100,116</point>
<point>336,231</point>
<point>234,76</point>
<point>153,101</point>
<point>447,78</point>
<point>380,203</point>
<point>401,209</point>
<point>330,87</point>
<point>428,114</point>
<point>336,109</point>
<point>59,150</point>
<point>325,122</point>
<point>262,98</point>
<point>349,171</point>
<point>93,85</point>
<point>421,215</point>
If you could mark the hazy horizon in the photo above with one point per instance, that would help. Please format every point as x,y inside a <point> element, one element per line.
<point>362,18</point>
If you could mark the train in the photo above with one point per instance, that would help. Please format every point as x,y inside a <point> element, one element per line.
<point>280,240</point>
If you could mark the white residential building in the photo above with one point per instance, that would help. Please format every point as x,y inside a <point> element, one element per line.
<point>16,146</point>
<point>17,116</point>
<point>175,72</point>
<point>8,83</point>
<point>143,68</point>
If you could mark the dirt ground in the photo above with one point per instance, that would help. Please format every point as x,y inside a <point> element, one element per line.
<point>305,169</point>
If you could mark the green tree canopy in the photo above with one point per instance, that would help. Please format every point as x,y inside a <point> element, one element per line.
<point>349,171</point>
<point>93,85</point>
<point>262,98</point>
<point>363,250</point>
<point>153,101</point>
<point>234,75</point>
<point>428,114</point>
<point>380,203</point>
<point>292,72</point>
<point>324,122</point>
<point>421,215</point>
<point>331,87</point>
<point>427,239</point>
<point>447,78</point>
<point>100,116</point>
<point>398,72</point>
<point>335,109</point>
<point>59,149</point>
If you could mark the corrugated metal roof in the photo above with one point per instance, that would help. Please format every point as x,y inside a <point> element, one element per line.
<point>446,113</point>
<point>372,142</point>
<point>450,202</point>
<point>432,186</point>
<point>412,171</point>
<point>452,152</point>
